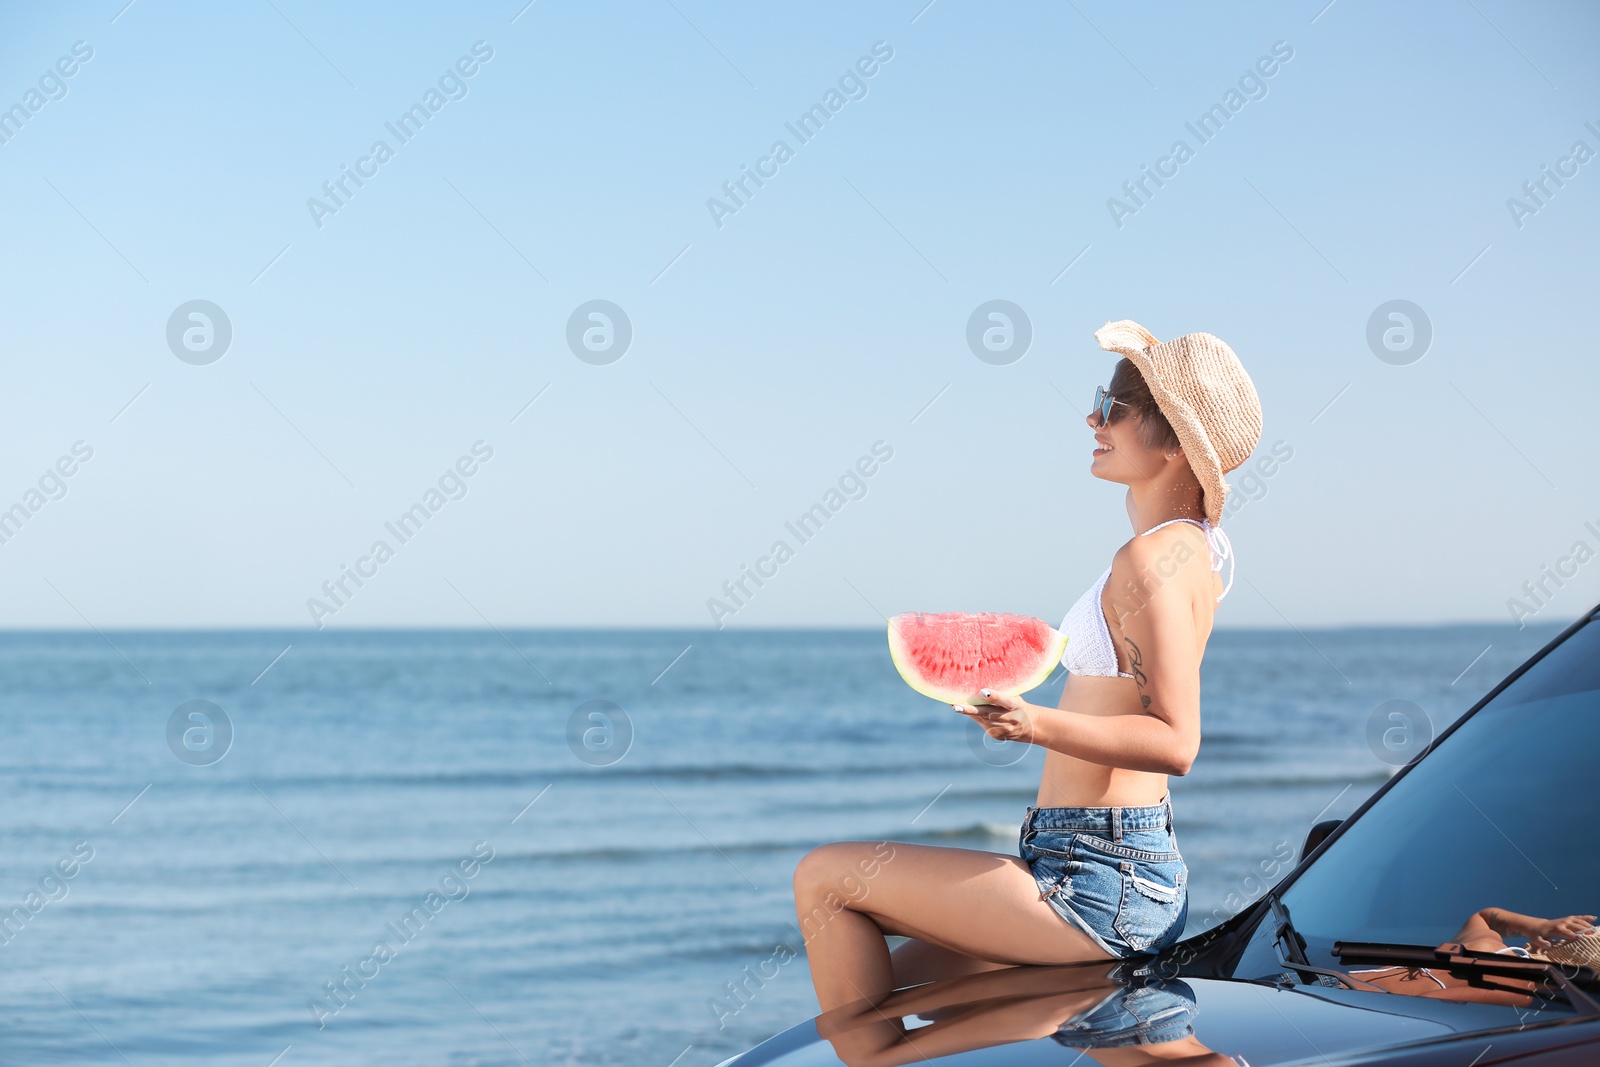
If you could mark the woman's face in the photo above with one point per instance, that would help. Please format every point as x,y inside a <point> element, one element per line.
<point>1119,454</point>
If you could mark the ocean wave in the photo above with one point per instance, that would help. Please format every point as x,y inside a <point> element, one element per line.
<point>981,829</point>
<point>1023,794</point>
<point>654,851</point>
<point>67,778</point>
<point>1003,831</point>
<point>1291,780</point>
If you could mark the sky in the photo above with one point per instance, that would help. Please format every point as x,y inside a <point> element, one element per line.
<point>763,346</point>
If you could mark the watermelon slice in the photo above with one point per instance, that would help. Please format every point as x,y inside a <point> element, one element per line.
<point>950,657</point>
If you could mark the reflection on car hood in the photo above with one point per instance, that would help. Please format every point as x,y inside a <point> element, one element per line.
<point>1264,1026</point>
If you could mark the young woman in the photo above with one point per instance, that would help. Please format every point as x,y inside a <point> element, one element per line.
<point>1099,874</point>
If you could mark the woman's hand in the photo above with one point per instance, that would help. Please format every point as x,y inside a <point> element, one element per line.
<point>1005,717</point>
<point>1543,934</point>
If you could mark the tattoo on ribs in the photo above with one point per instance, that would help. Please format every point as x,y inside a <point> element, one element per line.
<point>1135,664</point>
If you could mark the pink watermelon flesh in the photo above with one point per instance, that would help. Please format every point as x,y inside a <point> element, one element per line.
<point>950,657</point>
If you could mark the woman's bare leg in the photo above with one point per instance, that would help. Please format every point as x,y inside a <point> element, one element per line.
<point>916,962</point>
<point>848,895</point>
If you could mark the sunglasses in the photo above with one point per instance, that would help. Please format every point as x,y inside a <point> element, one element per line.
<point>1104,402</point>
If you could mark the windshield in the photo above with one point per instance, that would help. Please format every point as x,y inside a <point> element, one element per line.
<point>1491,835</point>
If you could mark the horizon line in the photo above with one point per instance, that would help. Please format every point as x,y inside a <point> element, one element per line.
<point>404,628</point>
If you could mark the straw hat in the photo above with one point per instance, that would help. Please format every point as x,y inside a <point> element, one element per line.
<point>1202,389</point>
<point>1580,951</point>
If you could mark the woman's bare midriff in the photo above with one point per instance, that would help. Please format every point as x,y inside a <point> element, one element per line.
<point>1070,782</point>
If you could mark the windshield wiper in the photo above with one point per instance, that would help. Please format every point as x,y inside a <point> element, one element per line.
<point>1287,940</point>
<point>1456,958</point>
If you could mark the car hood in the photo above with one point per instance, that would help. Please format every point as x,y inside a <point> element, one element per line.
<point>1261,1025</point>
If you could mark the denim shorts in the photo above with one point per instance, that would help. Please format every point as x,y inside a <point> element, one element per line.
<point>1144,1014</point>
<point>1114,873</point>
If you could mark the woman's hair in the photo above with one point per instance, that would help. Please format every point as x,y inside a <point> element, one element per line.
<point>1128,386</point>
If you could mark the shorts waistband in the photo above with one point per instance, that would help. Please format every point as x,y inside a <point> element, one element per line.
<point>1110,820</point>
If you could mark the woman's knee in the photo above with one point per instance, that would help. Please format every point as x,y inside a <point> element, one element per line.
<point>842,869</point>
<point>818,870</point>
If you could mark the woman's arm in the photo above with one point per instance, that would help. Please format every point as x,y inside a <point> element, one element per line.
<point>1157,586</point>
<point>1483,931</point>
<point>1154,588</point>
<point>1539,931</point>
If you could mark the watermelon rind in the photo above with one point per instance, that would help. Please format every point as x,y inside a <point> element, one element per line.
<point>1024,676</point>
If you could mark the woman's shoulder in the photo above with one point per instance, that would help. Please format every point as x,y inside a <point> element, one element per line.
<point>1178,541</point>
<point>1155,559</point>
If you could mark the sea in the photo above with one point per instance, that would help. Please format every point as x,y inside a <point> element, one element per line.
<point>562,847</point>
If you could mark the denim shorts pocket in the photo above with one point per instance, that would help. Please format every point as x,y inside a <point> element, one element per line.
<point>1048,842</point>
<point>1154,904</point>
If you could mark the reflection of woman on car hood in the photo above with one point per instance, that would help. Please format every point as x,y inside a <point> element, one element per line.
<point>1106,1008</point>
<point>1485,931</point>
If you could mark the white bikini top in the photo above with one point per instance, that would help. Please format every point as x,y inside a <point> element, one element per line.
<point>1089,648</point>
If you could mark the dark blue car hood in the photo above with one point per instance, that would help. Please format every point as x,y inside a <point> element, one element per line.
<point>1269,1026</point>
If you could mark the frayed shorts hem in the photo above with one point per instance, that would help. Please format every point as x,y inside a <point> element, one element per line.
<point>1076,921</point>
